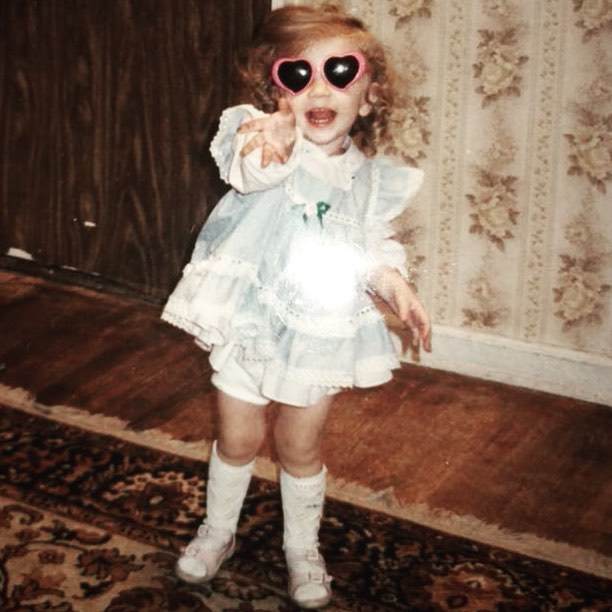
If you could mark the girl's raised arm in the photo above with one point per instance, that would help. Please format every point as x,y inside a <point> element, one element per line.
<point>255,151</point>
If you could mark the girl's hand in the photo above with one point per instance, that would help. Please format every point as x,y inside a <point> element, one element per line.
<point>394,289</point>
<point>274,135</point>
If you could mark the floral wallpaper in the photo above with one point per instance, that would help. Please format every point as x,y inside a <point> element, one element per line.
<point>507,106</point>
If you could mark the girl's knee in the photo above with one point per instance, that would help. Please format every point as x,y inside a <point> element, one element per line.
<point>242,429</point>
<point>238,443</point>
<point>299,450</point>
<point>301,427</point>
<point>300,462</point>
<point>239,447</point>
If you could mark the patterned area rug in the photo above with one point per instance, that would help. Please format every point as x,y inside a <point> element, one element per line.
<point>90,522</point>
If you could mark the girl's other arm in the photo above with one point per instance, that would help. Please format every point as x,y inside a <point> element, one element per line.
<point>395,290</point>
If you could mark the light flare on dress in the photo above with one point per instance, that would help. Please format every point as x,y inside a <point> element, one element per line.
<point>325,275</point>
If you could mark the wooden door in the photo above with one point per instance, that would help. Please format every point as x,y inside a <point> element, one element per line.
<point>107,108</point>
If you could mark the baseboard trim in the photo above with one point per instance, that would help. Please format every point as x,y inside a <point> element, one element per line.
<point>552,370</point>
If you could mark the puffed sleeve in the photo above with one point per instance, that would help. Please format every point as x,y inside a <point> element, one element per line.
<point>245,174</point>
<point>392,189</point>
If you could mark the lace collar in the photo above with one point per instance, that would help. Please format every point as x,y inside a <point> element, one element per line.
<point>337,170</point>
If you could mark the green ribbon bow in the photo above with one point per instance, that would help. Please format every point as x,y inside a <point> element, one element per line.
<point>320,207</point>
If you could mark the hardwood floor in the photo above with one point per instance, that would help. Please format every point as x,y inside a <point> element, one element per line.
<point>523,461</point>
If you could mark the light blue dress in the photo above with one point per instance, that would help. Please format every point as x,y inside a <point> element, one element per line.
<point>278,279</point>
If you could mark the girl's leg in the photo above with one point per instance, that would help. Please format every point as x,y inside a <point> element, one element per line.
<point>241,433</point>
<point>241,429</point>
<point>298,434</point>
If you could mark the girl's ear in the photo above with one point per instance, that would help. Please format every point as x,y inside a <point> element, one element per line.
<point>365,109</point>
<point>371,98</point>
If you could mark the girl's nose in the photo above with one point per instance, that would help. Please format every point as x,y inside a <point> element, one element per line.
<point>318,87</point>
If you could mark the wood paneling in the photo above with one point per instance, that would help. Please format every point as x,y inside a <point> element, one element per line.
<point>107,108</point>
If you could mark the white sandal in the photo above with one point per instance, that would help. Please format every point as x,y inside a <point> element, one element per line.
<point>309,582</point>
<point>203,556</point>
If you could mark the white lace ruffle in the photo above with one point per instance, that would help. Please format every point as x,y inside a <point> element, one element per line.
<point>392,187</point>
<point>220,302</point>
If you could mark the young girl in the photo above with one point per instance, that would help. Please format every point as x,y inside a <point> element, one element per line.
<point>280,282</point>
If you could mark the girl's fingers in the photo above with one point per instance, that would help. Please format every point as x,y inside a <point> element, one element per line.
<point>268,155</point>
<point>427,341</point>
<point>250,126</point>
<point>258,125</point>
<point>255,143</point>
<point>270,152</point>
<point>420,327</point>
<point>421,330</point>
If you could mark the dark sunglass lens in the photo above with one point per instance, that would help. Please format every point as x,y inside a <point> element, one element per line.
<point>295,75</point>
<point>341,71</point>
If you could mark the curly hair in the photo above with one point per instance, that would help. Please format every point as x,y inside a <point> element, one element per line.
<point>287,32</point>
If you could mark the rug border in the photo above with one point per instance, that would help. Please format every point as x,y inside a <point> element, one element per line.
<point>531,545</point>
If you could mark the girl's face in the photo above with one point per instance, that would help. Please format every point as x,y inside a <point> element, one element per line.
<point>326,114</point>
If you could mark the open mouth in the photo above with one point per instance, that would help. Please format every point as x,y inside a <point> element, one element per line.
<point>320,117</point>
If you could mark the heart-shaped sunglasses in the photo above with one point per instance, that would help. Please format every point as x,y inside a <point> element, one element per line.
<point>293,75</point>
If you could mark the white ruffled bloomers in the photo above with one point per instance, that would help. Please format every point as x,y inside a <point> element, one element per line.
<point>278,276</point>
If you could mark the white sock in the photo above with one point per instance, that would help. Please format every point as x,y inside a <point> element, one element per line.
<point>303,500</point>
<point>225,491</point>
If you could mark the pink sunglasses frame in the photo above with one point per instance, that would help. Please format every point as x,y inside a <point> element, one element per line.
<point>319,70</point>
